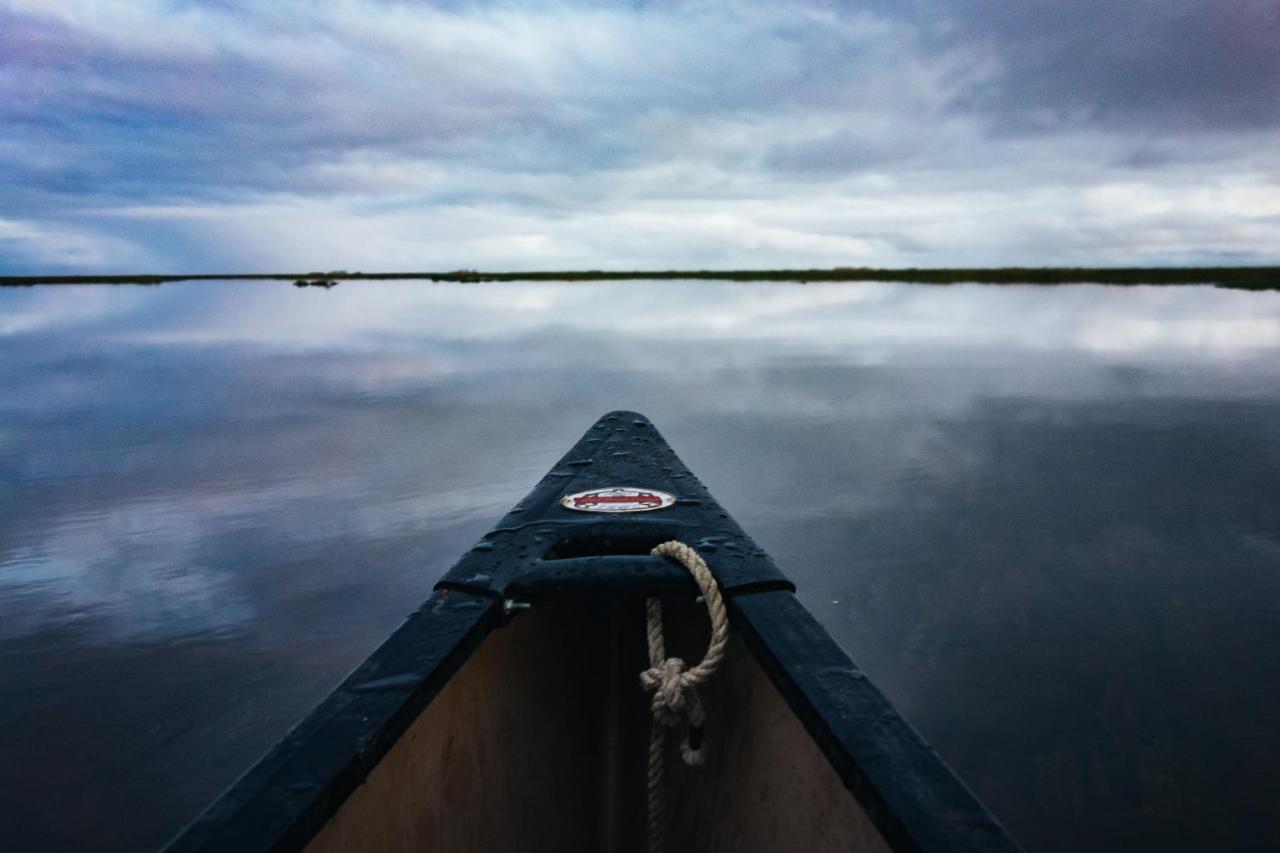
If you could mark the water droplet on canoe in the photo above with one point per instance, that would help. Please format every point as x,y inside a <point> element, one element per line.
<point>483,546</point>
<point>392,683</point>
<point>579,463</point>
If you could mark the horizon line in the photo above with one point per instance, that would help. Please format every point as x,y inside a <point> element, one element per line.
<point>1251,277</point>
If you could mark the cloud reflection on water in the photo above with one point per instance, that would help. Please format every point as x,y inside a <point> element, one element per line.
<point>1070,487</point>
<point>363,315</point>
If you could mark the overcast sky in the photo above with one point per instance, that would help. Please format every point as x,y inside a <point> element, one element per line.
<point>143,135</point>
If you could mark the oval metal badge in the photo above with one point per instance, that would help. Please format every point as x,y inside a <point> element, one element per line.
<point>618,499</point>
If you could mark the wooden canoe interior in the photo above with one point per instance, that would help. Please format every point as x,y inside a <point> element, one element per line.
<point>539,743</point>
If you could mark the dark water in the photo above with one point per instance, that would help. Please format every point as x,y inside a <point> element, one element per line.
<point>1045,520</point>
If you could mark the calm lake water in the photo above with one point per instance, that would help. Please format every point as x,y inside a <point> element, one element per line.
<point>1045,520</point>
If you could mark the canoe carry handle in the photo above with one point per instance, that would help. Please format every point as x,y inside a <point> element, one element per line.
<point>606,543</point>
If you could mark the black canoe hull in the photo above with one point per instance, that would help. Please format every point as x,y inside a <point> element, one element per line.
<point>475,727</point>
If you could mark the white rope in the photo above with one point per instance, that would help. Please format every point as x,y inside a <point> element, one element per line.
<point>674,688</point>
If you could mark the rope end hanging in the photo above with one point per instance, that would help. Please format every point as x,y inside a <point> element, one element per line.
<point>674,688</point>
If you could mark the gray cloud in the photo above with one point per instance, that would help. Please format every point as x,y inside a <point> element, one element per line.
<point>1156,65</point>
<point>535,135</point>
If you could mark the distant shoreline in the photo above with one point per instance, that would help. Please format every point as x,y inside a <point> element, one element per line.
<point>1246,278</point>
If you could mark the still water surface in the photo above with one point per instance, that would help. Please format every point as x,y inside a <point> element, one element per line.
<point>1046,521</point>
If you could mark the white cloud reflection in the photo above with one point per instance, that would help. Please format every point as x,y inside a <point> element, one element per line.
<point>839,320</point>
<point>148,433</point>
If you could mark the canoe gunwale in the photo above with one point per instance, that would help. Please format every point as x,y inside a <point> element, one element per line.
<point>914,799</point>
<point>286,798</point>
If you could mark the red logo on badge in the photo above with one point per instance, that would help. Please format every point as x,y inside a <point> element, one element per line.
<point>618,499</point>
<point>644,499</point>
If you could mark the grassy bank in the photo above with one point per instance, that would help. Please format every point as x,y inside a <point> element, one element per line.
<point>1248,278</point>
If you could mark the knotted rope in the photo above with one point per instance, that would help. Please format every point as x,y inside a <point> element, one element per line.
<point>674,688</point>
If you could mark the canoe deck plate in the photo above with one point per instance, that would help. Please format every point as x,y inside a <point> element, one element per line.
<point>543,548</point>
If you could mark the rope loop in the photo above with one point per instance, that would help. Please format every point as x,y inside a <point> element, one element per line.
<point>674,687</point>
